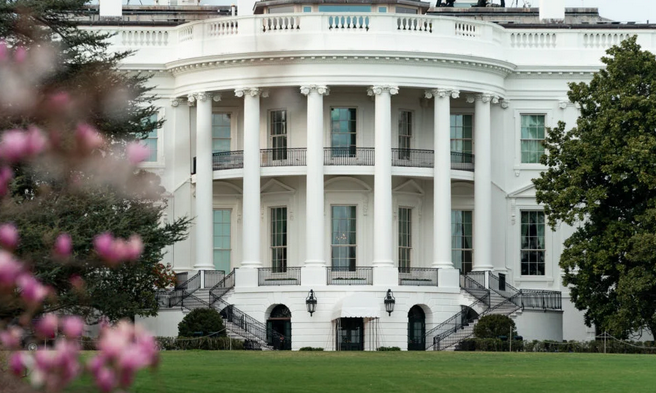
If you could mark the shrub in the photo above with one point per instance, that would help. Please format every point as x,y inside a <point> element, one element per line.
<point>494,326</point>
<point>490,345</point>
<point>384,349</point>
<point>311,349</point>
<point>202,322</point>
<point>200,343</point>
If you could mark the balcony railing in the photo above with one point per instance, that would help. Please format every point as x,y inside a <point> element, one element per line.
<point>420,276</point>
<point>268,276</point>
<point>212,277</point>
<point>543,300</point>
<point>283,157</point>
<point>346,276</point>
<point>356,156</point>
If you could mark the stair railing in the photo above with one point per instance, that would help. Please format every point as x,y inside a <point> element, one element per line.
<point>242,320</point>
<point>222,287</point>
<point>474,288</point>
<point>506,290</point>
<point>183,290</point>
<point>436,335</point>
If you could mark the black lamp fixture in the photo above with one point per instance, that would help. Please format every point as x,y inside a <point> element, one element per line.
<point>389,302</point>
<point>311,302</point>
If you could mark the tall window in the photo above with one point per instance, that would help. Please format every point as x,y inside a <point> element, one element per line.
<point>461,138</point>
<point>461,240</point>
<point>532,247</point>
<point>279,239</point>
<point>343,237</point>
<point>405,239</point>
<point>278,134</point>
<point>222,249</point>
<point>343,131</point>
<point>221,128</point>
<point>151,140</point>
<point>405,134</point>
<point>532,137</point>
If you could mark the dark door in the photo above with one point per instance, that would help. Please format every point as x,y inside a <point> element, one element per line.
<point>350,334</point>
<point>416,329</point>
<point>279,328</point>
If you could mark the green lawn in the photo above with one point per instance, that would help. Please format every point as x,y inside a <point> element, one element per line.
<point>245,371</point>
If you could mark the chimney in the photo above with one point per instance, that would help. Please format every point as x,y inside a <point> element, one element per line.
<point>552,10</point>
<point>111,8</point>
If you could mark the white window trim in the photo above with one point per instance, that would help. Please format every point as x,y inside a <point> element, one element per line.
<point>548,123</point>
<point>414,203</point>
<point>235,133</point>
<point>269,143</point>
<point>413,127</point>
<point>232,233</point>
<point>551,268</point>
<point>359,121</point>
<point>159,162</point>
<point>472,113</point>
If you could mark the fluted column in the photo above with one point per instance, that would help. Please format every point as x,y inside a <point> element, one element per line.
<point>482,184</point>
<point>314,234</point>
<point>383,240</point>
<point>204,226</point>
<point>251,189</point>
<point>442,176</point>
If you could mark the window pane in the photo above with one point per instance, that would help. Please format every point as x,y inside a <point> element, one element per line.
<point>221,239</point>
<point>532,252</point>
<point>461,240</point>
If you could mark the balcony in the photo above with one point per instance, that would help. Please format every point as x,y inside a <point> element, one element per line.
<point>346,276</point>
<point>267,276</point>
<point>338,156</point>
<point>418,276</point>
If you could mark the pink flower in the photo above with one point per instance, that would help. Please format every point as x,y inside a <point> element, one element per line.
<point>137,152</point>
<point>46,327</point>
<point>104,246</point>
<point>36,142</point>
<point>87,137</point>
<point>20,55</point>
<point>11,337</point>
<point>134,248</point>
<point>63,245</point>
<point>32,291</point>
<point>10,269</point>
<point>17,145</point>
<point>16,364</point>
<point>72,326</point>
<point>9,236</point>
<point>105,380</point>
<point>59,100</point>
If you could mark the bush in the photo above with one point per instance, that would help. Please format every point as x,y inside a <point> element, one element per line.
<point>200,343</point>
<point>384,349</point>
<point>489,345</point>
<point>310,349</point>
<point>494,326</point>
<point>202,322</point>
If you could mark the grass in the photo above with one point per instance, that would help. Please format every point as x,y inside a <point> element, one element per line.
<point>467,372</point>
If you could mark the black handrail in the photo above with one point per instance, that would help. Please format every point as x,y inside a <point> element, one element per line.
<point>462,161</point>
<point>242,320</point>
<point>356,156</point>
<point>222,287</point>
<point>437,334</point>
<point>184,289</point>
<point>417,158</point>
<point>346,276</point>
<point>212,277</point>
<point>422,276</point>
<point>283,157</point>
<point>267,276</point>
<point>474,288</point>
<point>541,299</point>
<point>227,160</point>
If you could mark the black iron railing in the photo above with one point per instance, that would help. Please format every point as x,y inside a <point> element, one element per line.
<point>543,300</point>
<point>283,157</point>
<point>358,156</point>
<point>243,321</point>
<point>268,276</point>
<point>475,288</point>
<point>212,277</point>
<point>222,287</point>
<point>436,336</point>
<point>417,158</point>
<point>227,160</point>
<point>346,276</point>
<point>421,276</point>
<point>181,278</point>
<point>504,289</point>
<point>462,161</point>
<point>184,289</point>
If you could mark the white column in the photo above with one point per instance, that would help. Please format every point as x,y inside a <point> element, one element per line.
<point>442,176</point>
<point>383,239</point>
<point>482,184</point>
<point>251,189</point>
<point>314,216</point>
<point>204,178</point>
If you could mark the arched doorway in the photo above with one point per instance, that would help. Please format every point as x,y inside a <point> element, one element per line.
<point>279,328</point>
<point>416,329</point>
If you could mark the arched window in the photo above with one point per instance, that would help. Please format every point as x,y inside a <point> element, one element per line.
<point>279,328</point>
<point>416,329</point>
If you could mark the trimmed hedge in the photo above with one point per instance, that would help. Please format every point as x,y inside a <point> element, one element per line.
<point>490,345</point>
<point>201,322</point>
<point>612,346</point>
<point>311,349</point>
<point>202,343</point>
<point>385,349</point>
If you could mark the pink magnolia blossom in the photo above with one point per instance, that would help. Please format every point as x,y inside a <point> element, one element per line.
<point>137,152</point>
<point>17,145</point>
<point>46,327</point>
<point>134,248</point>
<point>105,379</point>
<point>36,142</point>
<point>20,55</point>
<point>88,137</point>
<point>11,338</point>
<point>9,236</point>
<point>32,291</point>
<point>10,269</point>
<point>72,326</point>
<point>59,100</point>
<point>17,364</point>
<point>63,245</point>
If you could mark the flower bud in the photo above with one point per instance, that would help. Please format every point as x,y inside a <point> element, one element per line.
<point>9,236</point>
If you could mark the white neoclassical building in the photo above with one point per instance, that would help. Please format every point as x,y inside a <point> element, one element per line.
<point>359,174</point>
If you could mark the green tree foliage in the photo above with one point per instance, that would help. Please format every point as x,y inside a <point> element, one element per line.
<point>601,177</point>
<point>118,105</point>
<point>201,322</point>
<point>494,326</point>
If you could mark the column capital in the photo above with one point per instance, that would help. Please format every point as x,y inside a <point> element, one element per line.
<point>201,96</point>
<point>320,89</point>
<point>442,93</point>
<point>251,91</point>
<point>379,89</point>
<point>175,102</point>
<point>505,104</point>
<point>485,98</point>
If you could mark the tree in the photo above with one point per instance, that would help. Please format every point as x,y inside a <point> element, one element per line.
<point>79,82</point>
<point>601,177</point>
<point>494,326</point>
<point>203,322</point>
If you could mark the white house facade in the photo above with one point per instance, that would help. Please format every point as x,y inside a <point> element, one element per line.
<point>360,174</point>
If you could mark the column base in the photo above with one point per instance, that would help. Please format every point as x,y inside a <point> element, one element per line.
<point>313,276</point>
<point>448,278</point>
<point>203,266</point>
<point>246,278</point>
<point>386,276</point>
<point>443,265</point>
<point>251,264</point>
<point>482,268</point>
